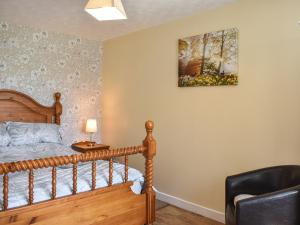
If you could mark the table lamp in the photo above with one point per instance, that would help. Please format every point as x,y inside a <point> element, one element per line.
<point>91,128</point>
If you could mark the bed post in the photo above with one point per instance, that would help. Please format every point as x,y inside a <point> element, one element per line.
<point>57,108</point>
<point>150,144</point>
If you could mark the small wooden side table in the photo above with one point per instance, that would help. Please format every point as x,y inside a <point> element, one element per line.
<point>84,147</point>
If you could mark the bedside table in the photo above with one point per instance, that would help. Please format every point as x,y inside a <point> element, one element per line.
<point>83,147</point>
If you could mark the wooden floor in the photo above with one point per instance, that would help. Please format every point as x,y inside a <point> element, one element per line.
<point>170,215</point>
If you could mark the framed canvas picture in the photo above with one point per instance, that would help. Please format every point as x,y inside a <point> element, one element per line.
<point>209,59</point>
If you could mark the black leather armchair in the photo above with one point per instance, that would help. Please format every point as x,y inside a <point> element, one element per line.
<point>277,200</point>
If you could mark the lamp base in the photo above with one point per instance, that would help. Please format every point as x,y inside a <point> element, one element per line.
<point>91,143</point>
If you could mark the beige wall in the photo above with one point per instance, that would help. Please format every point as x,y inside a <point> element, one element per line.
<point>207,133</point>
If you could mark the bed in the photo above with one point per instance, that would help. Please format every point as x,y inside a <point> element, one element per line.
<point>51,183</point>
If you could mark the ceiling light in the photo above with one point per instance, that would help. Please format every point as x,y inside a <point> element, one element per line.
<point>106,9</point>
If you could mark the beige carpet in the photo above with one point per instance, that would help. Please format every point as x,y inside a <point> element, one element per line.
<point>170,215</point>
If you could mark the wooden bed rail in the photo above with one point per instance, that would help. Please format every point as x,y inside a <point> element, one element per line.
<point>148,149</point>
<point>25,165</point>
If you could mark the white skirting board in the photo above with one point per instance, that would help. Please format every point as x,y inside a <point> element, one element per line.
<point>191,207</point>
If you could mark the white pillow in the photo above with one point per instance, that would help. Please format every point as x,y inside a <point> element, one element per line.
<point>4,137</point>
<point>242,197</point>
<point>32,133</point>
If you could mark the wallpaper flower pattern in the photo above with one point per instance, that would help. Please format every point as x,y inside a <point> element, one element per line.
<point>40,63</point>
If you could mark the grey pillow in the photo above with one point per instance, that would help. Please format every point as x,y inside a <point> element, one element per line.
<point>32,133</point>
<point>4,137</point>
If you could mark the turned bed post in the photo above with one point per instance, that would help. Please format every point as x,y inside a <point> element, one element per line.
<point>5,191</point>
<point>57,107</point>
<point>75,173</point>
<point>94,174</point>
<point>30,187</point>
<point>53,195</point>
<point>150,144</point>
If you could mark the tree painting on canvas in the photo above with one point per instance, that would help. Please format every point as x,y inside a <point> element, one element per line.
<point>210,59</point>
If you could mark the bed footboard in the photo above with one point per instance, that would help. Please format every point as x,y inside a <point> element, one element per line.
<point>114,204</point>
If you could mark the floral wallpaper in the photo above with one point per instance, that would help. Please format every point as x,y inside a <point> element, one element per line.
<point>40,63</point>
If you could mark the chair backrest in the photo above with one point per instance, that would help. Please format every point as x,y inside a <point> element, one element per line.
<point>281,177</point>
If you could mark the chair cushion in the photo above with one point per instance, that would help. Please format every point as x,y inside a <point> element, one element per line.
<point>242,197</point>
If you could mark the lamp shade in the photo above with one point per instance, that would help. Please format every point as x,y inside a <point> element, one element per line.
<point>106,9</point>
<point>91,126</point>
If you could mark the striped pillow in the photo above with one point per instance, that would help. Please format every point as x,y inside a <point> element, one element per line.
<point>4,137</point>
<point>32,133</point>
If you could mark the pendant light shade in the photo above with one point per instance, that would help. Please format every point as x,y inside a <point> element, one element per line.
<point>106,9</point>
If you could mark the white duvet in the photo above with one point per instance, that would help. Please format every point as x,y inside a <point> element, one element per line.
<point>18,182</point>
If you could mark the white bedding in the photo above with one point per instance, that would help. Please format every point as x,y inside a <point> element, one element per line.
<point>18,182</point>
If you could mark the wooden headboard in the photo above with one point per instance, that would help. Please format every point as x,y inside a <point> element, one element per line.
<point>19,107</point>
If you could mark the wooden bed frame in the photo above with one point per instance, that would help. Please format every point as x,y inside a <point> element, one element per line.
<point>114,204</point>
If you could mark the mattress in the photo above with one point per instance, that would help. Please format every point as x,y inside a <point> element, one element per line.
<point>18,182</point>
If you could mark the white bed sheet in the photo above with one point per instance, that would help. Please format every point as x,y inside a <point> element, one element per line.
<point>18,182</point>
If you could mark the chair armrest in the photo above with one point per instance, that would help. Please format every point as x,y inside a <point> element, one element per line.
<point>280,207</point>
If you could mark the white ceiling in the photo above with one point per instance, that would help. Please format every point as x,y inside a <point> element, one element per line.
<point>68,16</point>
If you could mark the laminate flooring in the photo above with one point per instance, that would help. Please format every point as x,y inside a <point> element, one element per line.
<point>171,215</point>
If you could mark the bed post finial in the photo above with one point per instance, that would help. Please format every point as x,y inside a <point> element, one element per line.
<point>149,125</point>
<point>150,144</point>
<point>57,96</point>
<point>58,107</point>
